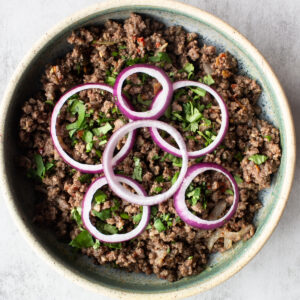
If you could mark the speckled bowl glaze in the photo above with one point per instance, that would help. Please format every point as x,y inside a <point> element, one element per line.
<point>19,193</point>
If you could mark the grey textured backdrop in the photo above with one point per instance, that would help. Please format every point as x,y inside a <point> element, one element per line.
<point>273,26</point>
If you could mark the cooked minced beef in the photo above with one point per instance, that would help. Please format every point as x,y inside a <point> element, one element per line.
<point>168,247</point>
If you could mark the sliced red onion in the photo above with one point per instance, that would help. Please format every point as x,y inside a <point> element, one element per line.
<point>180,203</point>
<point>117,188</point>
<point>85,168</point>
<point>87,206</point>
<point>221,134</point>
<point>162,99</point>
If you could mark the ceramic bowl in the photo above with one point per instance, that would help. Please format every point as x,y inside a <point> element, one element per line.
<point>19,194</point>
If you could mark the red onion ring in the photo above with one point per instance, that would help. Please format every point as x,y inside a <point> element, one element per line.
<point>180,204</point>
<point>85,168</point>
<point>112,178</point>
<point>162,99</point>
<point>221,134</point>
<point>114,238</point>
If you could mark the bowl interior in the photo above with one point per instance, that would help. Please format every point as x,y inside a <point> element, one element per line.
<point>22,191</point>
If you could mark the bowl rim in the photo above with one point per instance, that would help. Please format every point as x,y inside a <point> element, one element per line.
<point>193,12</point>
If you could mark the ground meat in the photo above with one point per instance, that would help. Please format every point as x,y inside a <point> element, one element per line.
<point>98,55</point>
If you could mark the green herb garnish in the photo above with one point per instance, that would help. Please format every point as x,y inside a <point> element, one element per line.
<point>208,80</point>
<point>82,240</point>
<point>137,171</point>
<point>238,179</point>
<point>160,57</point>
<point>258,158</point>
<point>159,226</point>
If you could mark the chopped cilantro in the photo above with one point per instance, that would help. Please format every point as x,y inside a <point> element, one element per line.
<point>208,80</point>
<point>167,113</point>
<point>115,53</point>
<point>198,91</point>
<point>268,137</point>
<point>137,60</point>
<point>124,216</point>
<point>85,178</point>
<point>137,218</point>
<point>160,57</point>
<point>189,68</point>
<point>137,171</point>
<point>192,114</point>
<point>102,142</point>
<point>103,129</point>
<point>50,102</point>
<point>158,189</point>
<point>113,245</point>
<point>159,178</point>
<point>103,215</point>
<point>194,195</point>
<point>76,215</point>
<point>110,80</point>
<point>88,139</point>
<point>82,240</point>
<point>100,196</point>
<point>96,244</point>
<point>154,210</point>
<point>199,159</point>
<point>110,228</point>
<point>174,178</point>
<point>238,179</point>
<point>76,107</point>
<point>190,257</point>
<point>169,250</point>
<point>121,47</point>
<point>258,158</point>
<point>159,226</point>
<point>40,168</point>
<point>229,192</point>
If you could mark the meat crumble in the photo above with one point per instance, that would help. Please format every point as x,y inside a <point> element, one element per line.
<point>168,247</point>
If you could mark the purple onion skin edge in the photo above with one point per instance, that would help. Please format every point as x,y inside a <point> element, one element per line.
<point>84,201</point>
<point>134,117</point>
<point>190,155</point>
<point>217,224</point>
<point>100,170</point>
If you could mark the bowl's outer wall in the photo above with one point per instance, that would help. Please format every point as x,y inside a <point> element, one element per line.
<point>23,194</point>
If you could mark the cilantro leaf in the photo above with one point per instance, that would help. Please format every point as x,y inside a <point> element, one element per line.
<point>103,215</point>
<point>110,80</point>
<point>229,192</point>
<point>158,189</point>
<point>192,114</point>
<point>160,57</point>
<point>238,179</point>
<point>137,218</point>
<point>208,80</point>
<point>159,226</point>
<point>103,129</point>
<point>124,216</point>
<point>137,171</point>
<point>198,91</point>
<point>85,178</point>
<point>40,168</point>
<point>82,240</point>
<point>113,245</point>
<point>78,107</point>
<point>76,215</point>
<point>100,196</point>
<point>268,137</point>
<point>194,196</point>
<point>174,178</point>
<point>258,158</point>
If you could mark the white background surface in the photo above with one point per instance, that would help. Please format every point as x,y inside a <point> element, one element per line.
<point>273,26</point>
